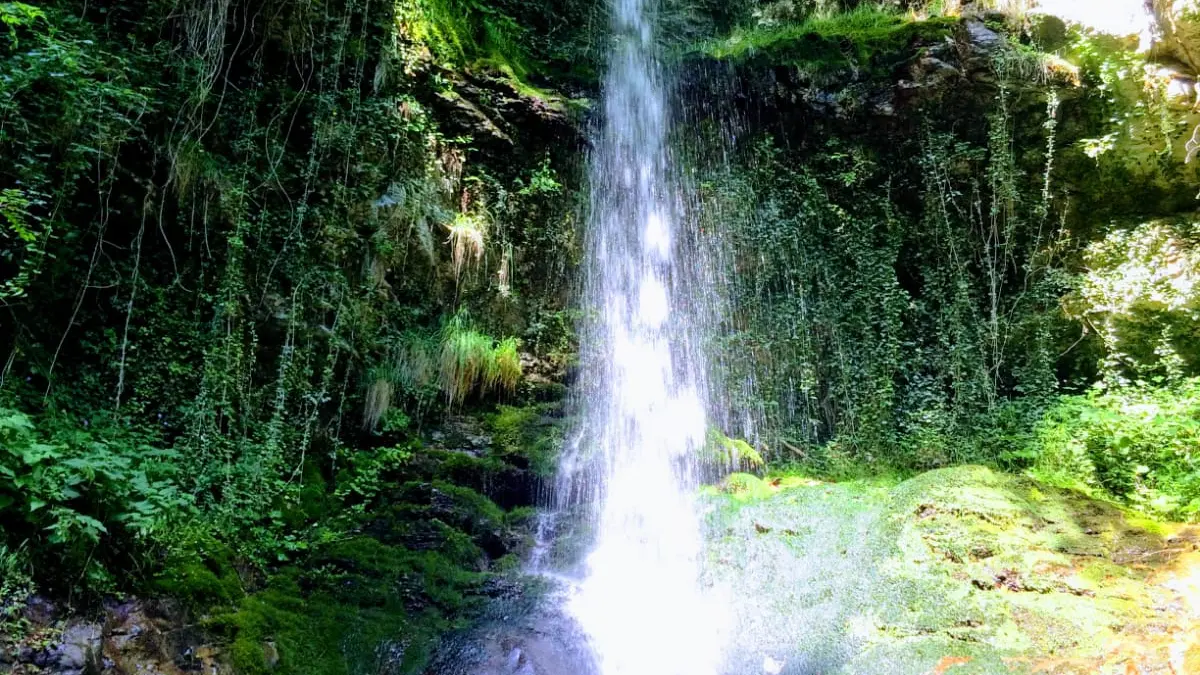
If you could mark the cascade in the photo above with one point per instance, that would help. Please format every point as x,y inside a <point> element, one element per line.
<point>641,602</point>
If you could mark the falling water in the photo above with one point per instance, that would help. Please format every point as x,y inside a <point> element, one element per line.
<point>641,602</point>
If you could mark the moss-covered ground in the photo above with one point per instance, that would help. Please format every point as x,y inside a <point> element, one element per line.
<point>959,570</point>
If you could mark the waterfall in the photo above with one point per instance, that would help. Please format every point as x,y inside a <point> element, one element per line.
<point>641,602</point>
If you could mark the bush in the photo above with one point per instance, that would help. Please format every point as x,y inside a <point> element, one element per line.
<point>1139,444</point>
<point>16,585</point>
<point>68,490</point>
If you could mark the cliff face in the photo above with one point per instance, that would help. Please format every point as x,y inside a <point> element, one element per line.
<point>289,300</point>
<point>912,206</point>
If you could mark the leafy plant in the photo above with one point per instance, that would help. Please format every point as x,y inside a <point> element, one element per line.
<point>77,487</point>
<point>1137,443</point>
<point>472,361</point>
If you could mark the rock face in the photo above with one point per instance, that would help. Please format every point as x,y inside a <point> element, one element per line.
<point>127,638</point>
<point>523,637</point>
<point>959,570</point>
<point>1178,32</point>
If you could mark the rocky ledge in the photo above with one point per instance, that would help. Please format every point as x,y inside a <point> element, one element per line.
<point>959,570</point>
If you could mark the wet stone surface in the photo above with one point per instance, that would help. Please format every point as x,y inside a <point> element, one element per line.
<point>522,636</point>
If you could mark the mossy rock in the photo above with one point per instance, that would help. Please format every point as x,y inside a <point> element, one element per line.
<point>870,41</point>
<point>500,481</point>
<point>201,577</point>
<point>529,437</point>
<point>357,605</point>
<point>961,567</point>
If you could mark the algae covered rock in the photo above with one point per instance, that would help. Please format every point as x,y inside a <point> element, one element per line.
<point>959,570</point>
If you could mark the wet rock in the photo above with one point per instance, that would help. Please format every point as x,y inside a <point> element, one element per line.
<point>40,610</point>
<point>983,38</point>
<point>462,434</point>
<point>771,666</point>
<point>78,650</point>
<point>1178,32</point>
<point>898,578</point>
<point>933,72</point>
<point>524,636</point>
<point>466,117</point>
<point>134,636</point>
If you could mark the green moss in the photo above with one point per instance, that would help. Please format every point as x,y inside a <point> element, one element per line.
<point>467,470</point>
<point>743,486</point>
<point>529,435</point>
<point>730,452</point>
<point>866,38</point>
<point>473,505</point>
<point>961,562</point>
<point>201,577</point>
<point>353,596</point>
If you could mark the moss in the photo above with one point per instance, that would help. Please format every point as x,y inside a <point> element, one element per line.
<point>313,501</point>
<point>521,516</point>
<point>724,451</point>
<point>868,38</point>
<point>467,470</point>
<point>954,563</point>
<point>358,605</point>
<point>743,486</point>
<point>529,435</point>
<point>201,577</point>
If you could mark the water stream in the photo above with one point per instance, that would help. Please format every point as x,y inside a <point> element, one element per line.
<point>641,602</point>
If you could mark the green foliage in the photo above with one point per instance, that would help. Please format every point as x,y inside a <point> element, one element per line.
<point>730,453</point>
<point>530,436</point>
<point>827,45</point>
<point>84,488</point>
<point>892,290</point>
<point>471,32</point>
<point>364,477</point>
<point>222,245</point>
<point>472,361</point>
<point>1138,444</point>
<point>1140,295</point>
<point>16,585</point>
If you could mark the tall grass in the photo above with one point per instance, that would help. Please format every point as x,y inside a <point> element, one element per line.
<point>473,361</point>
<point>504,370</point>
<point>467,236</point>
<point>466,359</point>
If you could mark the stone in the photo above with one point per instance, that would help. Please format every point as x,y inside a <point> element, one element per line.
<point>1177,34</point>
<point>982,37</point>
<point>39,610</point>
<point>885,578</point>
<point>522,638</point>
<point>514,659</point>
<point>78,649</point>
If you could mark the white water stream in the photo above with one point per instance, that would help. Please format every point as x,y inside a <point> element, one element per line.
<point>642,604</point>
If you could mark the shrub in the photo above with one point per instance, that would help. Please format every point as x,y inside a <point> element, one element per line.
<point>71,489</point>
<point>1140,444</point>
